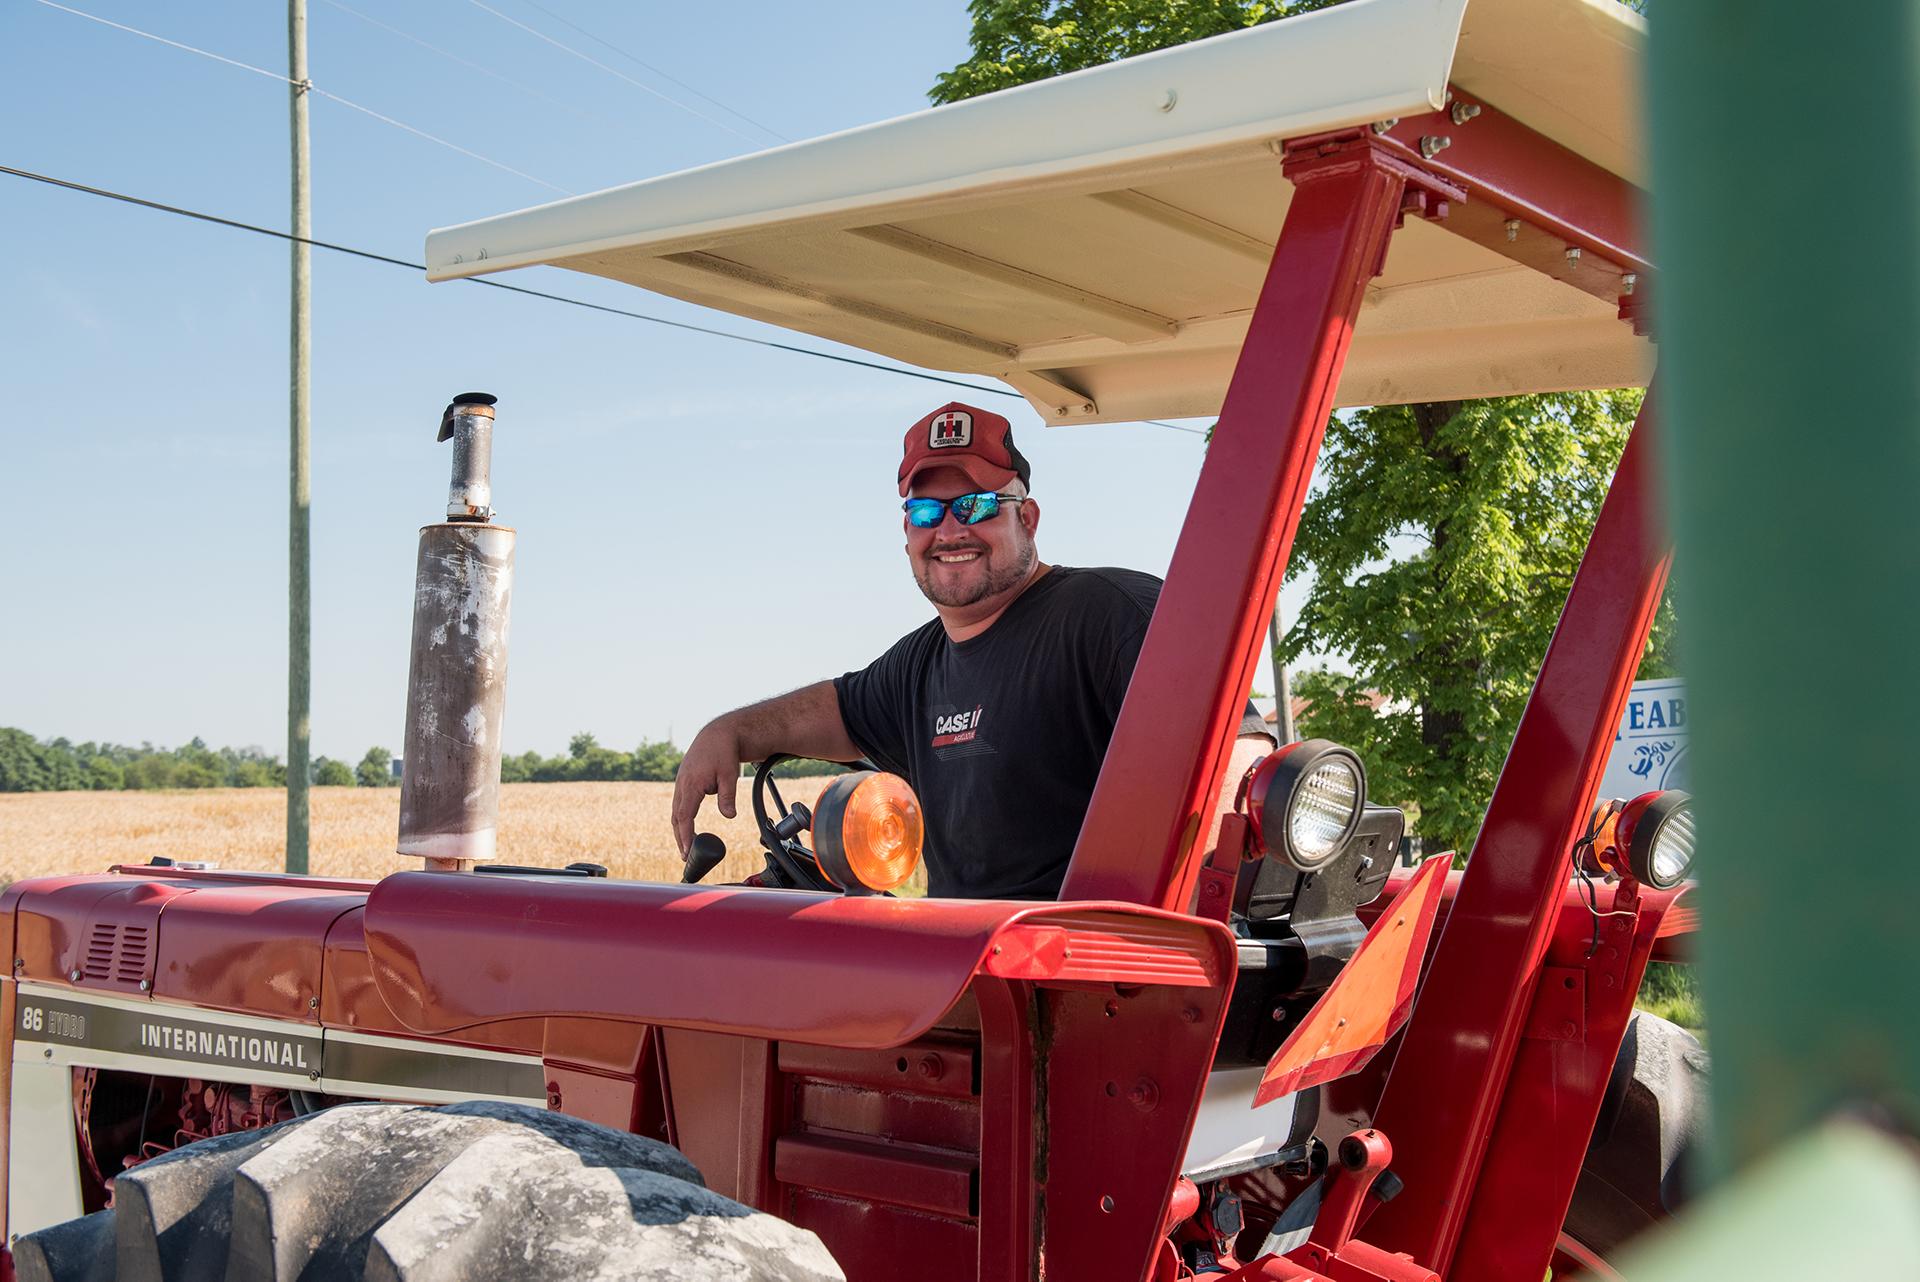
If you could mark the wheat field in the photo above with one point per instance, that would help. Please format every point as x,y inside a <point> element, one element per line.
<point>621,825</point>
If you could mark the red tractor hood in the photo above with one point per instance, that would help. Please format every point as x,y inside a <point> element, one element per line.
<point>450,952</point>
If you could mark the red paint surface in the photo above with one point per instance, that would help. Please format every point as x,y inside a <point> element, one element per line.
<point>215,877</point>
<point>917,1177</point>
<point>1009,1130</point>
<point>1459,1045</point>
<point>1123,1077</point>
<point>253,949</point>
<point>1183,709</point>
<point>596,1097</point>
<point>879,1151</point>
<point>1553,1097</point>
<point>871,1240</point>
<point>719,1093</point>
<point>349,998</point>
<point>451,952</point>
<point>1523,174</point>
<point>58,920</point>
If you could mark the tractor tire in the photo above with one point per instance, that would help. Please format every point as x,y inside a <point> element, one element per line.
<point>398,1193</point>
<point>1638,1165</point>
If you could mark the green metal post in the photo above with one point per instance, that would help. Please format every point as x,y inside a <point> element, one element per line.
<point>300,468</point>
<point>1787,179</point>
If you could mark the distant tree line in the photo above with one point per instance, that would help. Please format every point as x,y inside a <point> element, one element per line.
<point>60,765</point>
<point>586,759</point>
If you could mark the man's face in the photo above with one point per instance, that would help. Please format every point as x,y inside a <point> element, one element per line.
<point>961,565</point>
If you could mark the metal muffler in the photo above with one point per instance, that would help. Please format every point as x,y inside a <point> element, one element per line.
<point>457,677</point>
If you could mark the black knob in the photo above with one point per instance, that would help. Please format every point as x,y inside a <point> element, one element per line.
<point>703,854</point>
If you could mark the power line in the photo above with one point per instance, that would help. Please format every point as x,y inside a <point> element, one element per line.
<point>612,71</point>
<point>638,61</point>
<point>421,133</point>
<point>467,63</point>
<point>311,88</point>
<point>370,256</point>
<point>148,35</point>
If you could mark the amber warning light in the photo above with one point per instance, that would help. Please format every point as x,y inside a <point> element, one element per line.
<point>867,831</point>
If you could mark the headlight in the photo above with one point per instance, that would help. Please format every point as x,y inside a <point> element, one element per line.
<point>867,831</point>
<point>1649,839</point>
<point>1657,830</point>
<point>1306,800</point>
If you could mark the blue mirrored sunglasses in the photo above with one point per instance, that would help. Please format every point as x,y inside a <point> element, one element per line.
<point>968,509</point>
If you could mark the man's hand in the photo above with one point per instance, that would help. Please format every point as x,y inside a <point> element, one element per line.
<point>710,768</point>
<point>805,722</point>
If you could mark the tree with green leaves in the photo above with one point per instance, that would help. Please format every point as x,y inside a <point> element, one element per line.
<point>328,773</point>
<point>375,769</point>
<point>1441,538</point>
<point>1018,41</point>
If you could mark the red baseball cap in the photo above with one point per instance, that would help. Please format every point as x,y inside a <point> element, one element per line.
<point>977,442</point>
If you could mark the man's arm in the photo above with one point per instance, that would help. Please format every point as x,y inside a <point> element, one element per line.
<point>805,722</point>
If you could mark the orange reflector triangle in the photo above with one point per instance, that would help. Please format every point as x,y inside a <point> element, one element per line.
<point>1370,998</point>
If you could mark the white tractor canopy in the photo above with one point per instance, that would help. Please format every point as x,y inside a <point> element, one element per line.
<point>1097,241</point>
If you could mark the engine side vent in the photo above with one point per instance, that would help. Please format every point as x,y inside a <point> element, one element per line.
<point>131,966</point>
<point>101,949</point>
<point>117,953</point>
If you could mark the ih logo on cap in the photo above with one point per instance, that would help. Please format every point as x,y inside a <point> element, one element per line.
<point>953,428</point>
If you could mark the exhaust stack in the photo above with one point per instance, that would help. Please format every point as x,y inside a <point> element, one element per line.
<point>457,676</point>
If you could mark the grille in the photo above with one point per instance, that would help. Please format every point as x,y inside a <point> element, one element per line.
<point>117,952</point>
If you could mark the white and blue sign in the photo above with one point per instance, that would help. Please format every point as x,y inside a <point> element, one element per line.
<point>1650,747</point>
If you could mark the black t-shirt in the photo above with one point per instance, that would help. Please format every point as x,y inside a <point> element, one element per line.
<point>1002,735</point>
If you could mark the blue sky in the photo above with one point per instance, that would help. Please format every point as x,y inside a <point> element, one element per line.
<point>701,522</point>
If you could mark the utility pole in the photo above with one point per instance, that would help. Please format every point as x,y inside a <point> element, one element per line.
<point>1282,688</point>
<point>300,487</point>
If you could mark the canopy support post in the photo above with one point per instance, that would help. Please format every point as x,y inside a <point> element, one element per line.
<point>1444,1096</point>
<point>1163,769</point>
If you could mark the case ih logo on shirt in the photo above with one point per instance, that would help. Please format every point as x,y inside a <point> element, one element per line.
<point>958,728</point>
<point>955,427</point>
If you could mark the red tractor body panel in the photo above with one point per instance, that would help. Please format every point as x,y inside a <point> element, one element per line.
<point>855,1073</point>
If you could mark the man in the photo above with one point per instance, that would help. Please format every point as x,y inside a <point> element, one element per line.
<point>998,711</point>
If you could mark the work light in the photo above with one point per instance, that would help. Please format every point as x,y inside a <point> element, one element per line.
<point>867,831</point>
<point>1305,800</point>
<point>1656,828</point>
<point>1649,838</point>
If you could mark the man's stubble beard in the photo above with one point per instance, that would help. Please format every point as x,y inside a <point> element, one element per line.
<point>996,581</point>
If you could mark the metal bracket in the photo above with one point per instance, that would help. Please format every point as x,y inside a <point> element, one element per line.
<point>1426,194</point>
<point>1361,1180</point>
<point>1221,872</point>
<point>1303,159</point>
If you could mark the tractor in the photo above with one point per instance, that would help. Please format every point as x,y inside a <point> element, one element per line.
<point>1275,1054</point>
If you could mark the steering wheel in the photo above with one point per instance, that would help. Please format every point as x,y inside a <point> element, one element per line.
<point>790,865</point>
